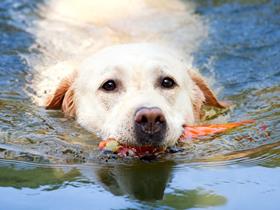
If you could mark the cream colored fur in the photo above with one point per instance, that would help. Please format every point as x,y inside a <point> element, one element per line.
<point>134,41</point>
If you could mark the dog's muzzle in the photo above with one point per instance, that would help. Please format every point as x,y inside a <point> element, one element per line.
<point>149,126</point>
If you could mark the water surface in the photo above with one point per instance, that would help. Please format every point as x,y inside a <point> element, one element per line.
<point>50,163</point>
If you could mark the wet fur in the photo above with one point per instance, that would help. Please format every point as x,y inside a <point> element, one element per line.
<point>136,61</point>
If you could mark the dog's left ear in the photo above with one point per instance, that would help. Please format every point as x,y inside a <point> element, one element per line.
<point>63,97</point>
<point>203,95</point>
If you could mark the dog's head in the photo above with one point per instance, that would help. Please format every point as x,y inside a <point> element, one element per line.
<point>140,94</point>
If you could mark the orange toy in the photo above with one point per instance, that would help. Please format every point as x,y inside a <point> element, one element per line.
<point>205,130</point>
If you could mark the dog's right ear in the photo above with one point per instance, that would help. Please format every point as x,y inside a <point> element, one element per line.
<point>64,97</point>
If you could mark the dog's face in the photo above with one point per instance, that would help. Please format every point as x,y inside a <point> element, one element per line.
<point>139,94</point>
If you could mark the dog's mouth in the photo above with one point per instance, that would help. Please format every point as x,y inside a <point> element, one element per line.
<point>111,145</point>
<point>153,138</point>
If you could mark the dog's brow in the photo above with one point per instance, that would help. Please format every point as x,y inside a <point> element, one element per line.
<point>161,70</point>
<point>118,70</point>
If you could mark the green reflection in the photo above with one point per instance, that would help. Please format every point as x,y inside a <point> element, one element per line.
<point>35,177</point>
<point>196,198</point>
<point>147,183</point>
<point>143,181</point>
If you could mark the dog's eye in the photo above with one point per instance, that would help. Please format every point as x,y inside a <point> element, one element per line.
<point>110,85</point>
<point>167,83</point>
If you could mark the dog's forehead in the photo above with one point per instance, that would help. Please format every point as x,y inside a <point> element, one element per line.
<point>145,57</point>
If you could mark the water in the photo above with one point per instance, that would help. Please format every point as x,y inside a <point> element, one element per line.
<point>50,163</point>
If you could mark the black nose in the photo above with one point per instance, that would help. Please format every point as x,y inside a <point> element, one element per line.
<point>150,126</point>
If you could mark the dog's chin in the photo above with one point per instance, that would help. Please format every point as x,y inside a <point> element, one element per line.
<point>133,141</point>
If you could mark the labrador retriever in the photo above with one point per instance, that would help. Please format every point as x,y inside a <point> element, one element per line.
<point>137,85</point>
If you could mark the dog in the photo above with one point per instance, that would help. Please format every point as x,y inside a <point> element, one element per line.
<point>135,82</point>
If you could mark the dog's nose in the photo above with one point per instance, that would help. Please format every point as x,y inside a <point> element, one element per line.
<point>150,119</point>
<point>150,125</point>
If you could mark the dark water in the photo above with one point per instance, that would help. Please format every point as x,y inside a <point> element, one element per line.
<point>48,163</point>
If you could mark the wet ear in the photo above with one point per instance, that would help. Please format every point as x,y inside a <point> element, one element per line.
<point>203,95</point>
<point>63,97</point>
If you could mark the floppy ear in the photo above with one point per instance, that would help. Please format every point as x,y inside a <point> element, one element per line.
<point>63,97</point>
<point>203,95</point>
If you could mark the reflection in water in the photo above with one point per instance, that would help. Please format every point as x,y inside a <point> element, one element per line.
<point>23,176</point>
<point>145,182</point>
<point>187,199</point>
<point>141,181</point>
